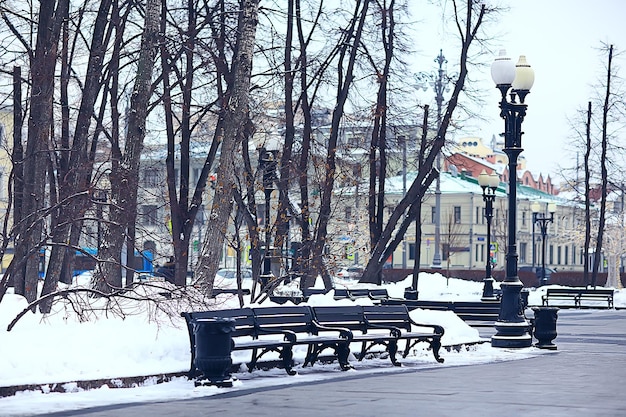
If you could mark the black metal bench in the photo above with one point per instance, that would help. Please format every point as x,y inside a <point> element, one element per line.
<point>231,291</point>
<point>297,299</point>
<point>578,295</point>
<point>279,329</point>
<point>380,325</point>
<point>307,292</point>
<point>476,314</point>
<point>289,326</point>
<point>376,294</point>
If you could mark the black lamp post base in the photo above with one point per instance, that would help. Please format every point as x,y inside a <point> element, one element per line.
<point>511,335</point>
<point>512,329</point>
<point>488,294</point>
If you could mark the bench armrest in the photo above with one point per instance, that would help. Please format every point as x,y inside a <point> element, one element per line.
<point>438,330</point>
<point>343,333</point>
<point>288,335</point>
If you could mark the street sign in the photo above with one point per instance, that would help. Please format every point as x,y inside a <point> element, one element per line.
<point>493,246</point>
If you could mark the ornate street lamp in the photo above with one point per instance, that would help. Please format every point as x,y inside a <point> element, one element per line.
<point>438,82</point>
<point>543,220</point>
<point>489,184</point>
<point>516,81</point>
<point>100,199</point>
<point>268,161</point>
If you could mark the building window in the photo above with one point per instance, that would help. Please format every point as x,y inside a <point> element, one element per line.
<point>524,218</point>
<point>149,215</point>
<point>433,212</point>
<point>582,256</point>
<point>522,252</point>
<point>348,212</point>
<point>566,255</point>
<point>477,215</point>
<point>457,214</point>
<point>151,177</point>
<point>411,251</point>
<point>558,255</point>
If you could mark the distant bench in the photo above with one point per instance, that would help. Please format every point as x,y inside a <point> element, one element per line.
<point>376,294</point>
<point>319,328</point>
<point>578,295</point>
<point>477,314</point>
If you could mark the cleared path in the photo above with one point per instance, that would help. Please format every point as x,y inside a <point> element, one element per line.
<point>585,377</point>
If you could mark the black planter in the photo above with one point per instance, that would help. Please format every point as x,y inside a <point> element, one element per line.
<point>545,326</point>
<point>212,351</point>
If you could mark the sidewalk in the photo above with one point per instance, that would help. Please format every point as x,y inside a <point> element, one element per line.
<point>584,377</point>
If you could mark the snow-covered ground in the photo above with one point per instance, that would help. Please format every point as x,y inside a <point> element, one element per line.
<point>151,339</point>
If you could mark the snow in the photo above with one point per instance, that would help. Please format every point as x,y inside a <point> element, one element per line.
<point>133,338</point>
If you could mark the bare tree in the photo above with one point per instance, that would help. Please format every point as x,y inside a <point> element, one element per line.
<point>125,165</point>
<point>603,168</point>
<point>231,136</point>
<point>42,70</point>
<point>468,28</point>
<point>451,239</point>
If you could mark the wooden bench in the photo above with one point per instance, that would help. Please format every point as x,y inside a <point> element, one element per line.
<point>578,295</point>
<point>380,325</point>
<point>289,326</point>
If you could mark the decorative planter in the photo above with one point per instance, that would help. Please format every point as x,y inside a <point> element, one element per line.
<point>212,351</point>
<point>545,326</point>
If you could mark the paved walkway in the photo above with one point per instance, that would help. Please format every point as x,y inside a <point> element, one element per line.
<point>585,377</point>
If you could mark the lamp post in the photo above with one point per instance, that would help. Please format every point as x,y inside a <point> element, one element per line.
<point>438,81</point>
<point>489,184</point>
<point>268,161</point>
<point>100,198</point>
<point>516,81</point>
<point>543,220</point>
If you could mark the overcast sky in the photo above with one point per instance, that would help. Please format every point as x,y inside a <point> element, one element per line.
<point>561,40</point>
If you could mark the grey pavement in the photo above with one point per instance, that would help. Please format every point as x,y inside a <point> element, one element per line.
<point>584,377</point>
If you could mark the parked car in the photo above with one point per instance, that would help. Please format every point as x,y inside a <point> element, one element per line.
<point>537,271</point>
<point>352,272</point>
<point>226,278</point>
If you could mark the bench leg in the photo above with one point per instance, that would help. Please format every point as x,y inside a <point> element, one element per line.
<point>342,349</point>
<point>287,356</point>
<point>435,344</point>
<point>392,348</point>
<point>363,351</point>
<point>311,355</point>
<point>253,361</point>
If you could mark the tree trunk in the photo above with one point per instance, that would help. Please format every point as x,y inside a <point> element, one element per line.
<point>235,117</point>
<point>36,158</point>
<point>587,199</point>
<point>604,173</point>
<point>344,82</point>
<point>75,170</point>
<point>413,196</point>
<point>125,168</point>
